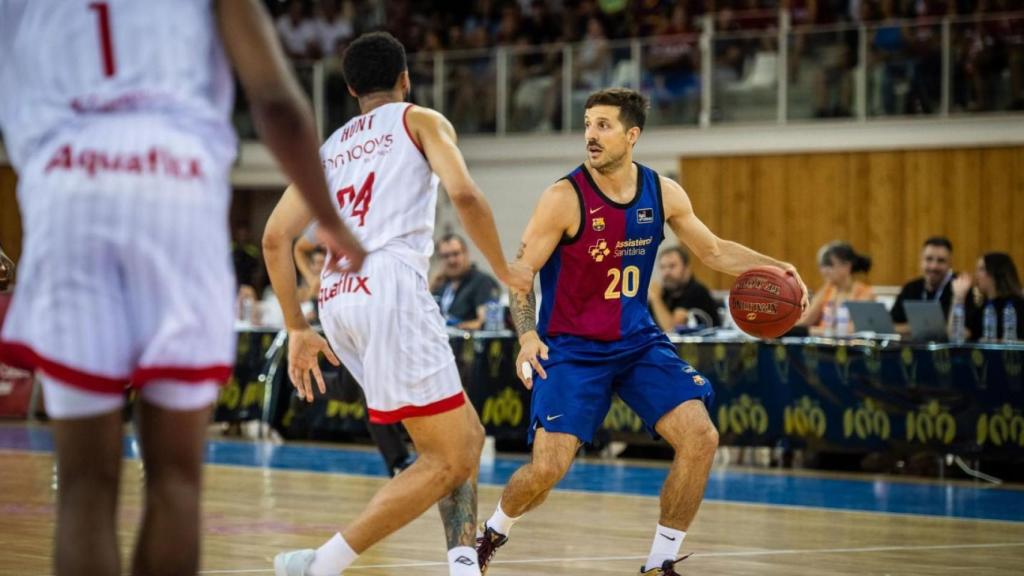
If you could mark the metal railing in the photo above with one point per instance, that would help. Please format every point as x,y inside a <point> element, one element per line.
<point>913,68</point>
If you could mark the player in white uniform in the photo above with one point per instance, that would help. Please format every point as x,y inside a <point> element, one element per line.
<point>116,117</point>
<point>384,167</point>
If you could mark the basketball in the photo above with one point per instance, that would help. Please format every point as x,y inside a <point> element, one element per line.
<point>765,302</point>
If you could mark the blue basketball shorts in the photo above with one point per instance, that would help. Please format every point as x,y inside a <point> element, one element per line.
<point>646,373</point>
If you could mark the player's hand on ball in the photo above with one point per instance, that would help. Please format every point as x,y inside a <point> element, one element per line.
<point>531,352</point>
<point>304,348</point>
<point>804,301</point>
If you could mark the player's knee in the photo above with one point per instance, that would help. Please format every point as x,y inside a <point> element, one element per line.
<point>453,472</point>
<point>547,473</point>
<point>704,440</point>
<point>97,477</point>
<point>476,435</point>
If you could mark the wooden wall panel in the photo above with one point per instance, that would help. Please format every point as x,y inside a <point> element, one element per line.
<point>884,203</point>
<point>10,219</point>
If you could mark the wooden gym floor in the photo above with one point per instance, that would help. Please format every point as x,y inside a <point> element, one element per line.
<point>260,499</point>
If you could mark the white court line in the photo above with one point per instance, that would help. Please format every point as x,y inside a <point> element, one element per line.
<point>739,553</point>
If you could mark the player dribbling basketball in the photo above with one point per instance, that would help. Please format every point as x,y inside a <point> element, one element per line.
<point>594,236</point>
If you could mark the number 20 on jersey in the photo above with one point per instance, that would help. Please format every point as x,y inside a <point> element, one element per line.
<point>625,282</point>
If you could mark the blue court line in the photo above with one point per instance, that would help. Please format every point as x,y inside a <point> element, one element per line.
<point>869,495</point>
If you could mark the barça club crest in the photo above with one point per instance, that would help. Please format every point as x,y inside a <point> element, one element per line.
<point>597,224</point>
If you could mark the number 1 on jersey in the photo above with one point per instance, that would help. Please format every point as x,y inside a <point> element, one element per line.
<point>360,201</point>
<point>102,10</point>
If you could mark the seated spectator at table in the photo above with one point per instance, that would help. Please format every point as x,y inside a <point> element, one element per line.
<point>679,298</point>
<point>298,33</point>
<point>837,262</point>
<point>995,281</point>
<point>936,276</point>
<point>461,291</point>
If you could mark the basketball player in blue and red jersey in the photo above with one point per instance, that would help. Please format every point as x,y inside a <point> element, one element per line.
<point>594,237</point>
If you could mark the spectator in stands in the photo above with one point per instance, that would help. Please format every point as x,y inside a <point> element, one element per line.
<point>333,27</point>
<point>594,58</point>
<point>298,33</point>
<point>673,62</point>
<point>461,290</point>
<point>838,262</point>
<point>995,281</point>
<point>892,65</point>
<point>934,283</point>
<point>680,300</point>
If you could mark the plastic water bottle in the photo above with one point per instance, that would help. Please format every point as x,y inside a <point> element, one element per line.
<point>989,326</point>
<point>959,325</point>
<point>494,318</point>
<point>1009,323</point>
<point>842,321</point>
<point>828,319</point>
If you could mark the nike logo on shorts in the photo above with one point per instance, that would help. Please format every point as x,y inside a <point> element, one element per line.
<point>555,417</point>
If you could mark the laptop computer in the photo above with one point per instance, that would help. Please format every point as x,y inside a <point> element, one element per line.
<point>927,322</point>
<point>870,317</point>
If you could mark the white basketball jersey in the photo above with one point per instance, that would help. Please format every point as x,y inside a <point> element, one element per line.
<point>382,184</point>
<point>67,63</point>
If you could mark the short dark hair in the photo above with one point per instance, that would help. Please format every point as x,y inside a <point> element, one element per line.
<point>453,236</point>
<point>632,105</point>
<point>373,63</point>
<point>682,252</point>
<point>940,241</point>
<point>844,252</point>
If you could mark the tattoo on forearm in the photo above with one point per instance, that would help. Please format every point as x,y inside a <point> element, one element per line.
<point>458,514</point>
<point>524,306</point>
<point>524,311</point>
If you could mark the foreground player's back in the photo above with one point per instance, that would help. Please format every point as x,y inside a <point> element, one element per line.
<point>68,63</point>
<point>383,185</point>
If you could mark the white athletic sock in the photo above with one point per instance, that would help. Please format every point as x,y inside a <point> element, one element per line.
<point>665,546</point>
<point>462,562</point>
<point>333,557</point>
<point>501,522</point>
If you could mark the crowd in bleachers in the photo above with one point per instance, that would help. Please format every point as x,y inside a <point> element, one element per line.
<point>904,51</point>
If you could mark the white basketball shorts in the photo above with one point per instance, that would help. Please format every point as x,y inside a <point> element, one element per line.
<point>388,332</point>
<point>126,274</point>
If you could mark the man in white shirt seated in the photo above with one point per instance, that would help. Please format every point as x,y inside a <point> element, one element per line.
<point>298,33</point>
<point>333,27</point>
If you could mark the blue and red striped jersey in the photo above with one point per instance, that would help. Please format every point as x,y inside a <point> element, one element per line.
<point>595,283</point>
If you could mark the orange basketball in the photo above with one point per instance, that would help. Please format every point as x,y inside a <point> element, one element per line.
<point>765,302</point>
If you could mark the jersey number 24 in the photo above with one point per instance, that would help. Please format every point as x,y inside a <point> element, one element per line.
<point>360,200</point>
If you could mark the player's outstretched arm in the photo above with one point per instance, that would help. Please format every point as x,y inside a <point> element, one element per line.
<point>282,114</point>
<point>437,138</point>
<point>722,255</point>
<point>290,217</point>
<point>556,214</point>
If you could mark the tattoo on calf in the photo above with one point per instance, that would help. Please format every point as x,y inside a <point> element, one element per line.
<point>458,513</point>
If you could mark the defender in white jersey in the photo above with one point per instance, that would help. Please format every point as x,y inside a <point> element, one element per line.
<point>116,117</point>
<point>384,167</point>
